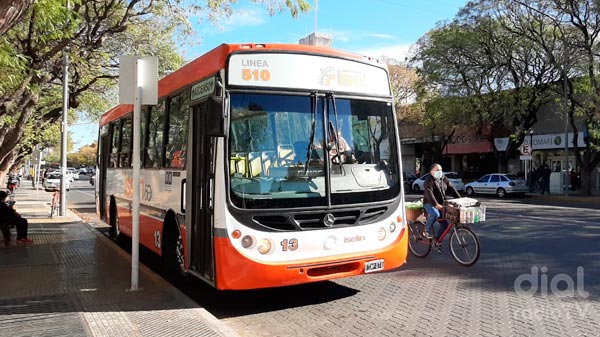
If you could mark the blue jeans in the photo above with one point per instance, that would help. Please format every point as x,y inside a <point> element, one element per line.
<point>433,215</point>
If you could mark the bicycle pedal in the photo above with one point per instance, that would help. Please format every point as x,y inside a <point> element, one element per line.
<point>438,250</point>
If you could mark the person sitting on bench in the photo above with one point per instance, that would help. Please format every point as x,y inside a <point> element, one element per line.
<point>8,217</point>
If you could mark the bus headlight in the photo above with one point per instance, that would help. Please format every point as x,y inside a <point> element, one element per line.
<point>264,247</point>
<point>392,227</point>
<point>381,234</point>
<point>247,241</point>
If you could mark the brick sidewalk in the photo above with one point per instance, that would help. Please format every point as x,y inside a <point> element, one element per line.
<point>73,281</point>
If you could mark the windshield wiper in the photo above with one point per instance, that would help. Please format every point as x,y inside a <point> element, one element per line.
<point>335,132</point>
<point>313,125</point>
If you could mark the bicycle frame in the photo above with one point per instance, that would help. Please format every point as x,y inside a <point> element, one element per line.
<point>450,226</point>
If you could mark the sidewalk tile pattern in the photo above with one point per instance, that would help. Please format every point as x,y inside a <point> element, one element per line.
<point>73,282</point>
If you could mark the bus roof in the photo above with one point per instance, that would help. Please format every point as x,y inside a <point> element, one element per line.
<point>216,59</point>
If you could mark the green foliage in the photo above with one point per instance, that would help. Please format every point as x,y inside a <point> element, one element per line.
<point>93,34</point>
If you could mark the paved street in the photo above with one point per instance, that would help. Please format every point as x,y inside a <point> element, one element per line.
<point>537,276</point>
<point>436,297</point>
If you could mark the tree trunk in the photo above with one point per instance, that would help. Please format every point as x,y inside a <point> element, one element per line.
<point>11,12</point>
<point>586,182</point>
<point>5,164</point>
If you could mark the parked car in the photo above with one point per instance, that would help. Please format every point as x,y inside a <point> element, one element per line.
<point>72,173</point>
<point>52,182</point>
<point>499,184</point>
<point>417,185</point>
<point>409,179</point>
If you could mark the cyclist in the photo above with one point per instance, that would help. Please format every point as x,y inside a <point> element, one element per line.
<point>435,189</point>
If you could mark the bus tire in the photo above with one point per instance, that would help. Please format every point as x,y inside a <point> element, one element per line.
<point>172,254</point>
<point>113,232</point>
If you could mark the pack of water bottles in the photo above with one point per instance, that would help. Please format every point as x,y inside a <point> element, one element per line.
<point>464,210</point>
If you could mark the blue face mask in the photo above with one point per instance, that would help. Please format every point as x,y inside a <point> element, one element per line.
<point>437,174</point>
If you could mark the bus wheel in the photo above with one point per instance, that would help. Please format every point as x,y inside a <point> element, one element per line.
<point>114,232</point>
<point>172,255</point>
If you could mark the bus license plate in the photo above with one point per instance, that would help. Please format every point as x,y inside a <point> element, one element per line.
<point>375,265</point>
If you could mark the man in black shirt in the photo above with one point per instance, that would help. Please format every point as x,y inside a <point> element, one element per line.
<point>8,216</point>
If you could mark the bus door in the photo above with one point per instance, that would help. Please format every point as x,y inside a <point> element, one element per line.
<point>200,171</point>
<point>101,175</point>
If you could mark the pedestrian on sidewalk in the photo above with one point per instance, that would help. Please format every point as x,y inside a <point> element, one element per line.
<point>9,216</point>
<point>573,179</point>
<point>546,172</point>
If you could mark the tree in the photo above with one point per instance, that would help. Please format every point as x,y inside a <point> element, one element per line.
<point>86,156</point>
<point>502,77</point>
<point>93,34</point>
<point>567,32</point>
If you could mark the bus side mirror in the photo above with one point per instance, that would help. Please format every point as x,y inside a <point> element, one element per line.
<point>215,123</point>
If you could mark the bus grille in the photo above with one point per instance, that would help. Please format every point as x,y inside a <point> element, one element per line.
<point>308,221</point>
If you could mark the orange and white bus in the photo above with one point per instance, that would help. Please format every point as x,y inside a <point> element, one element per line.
<point>263,165</point>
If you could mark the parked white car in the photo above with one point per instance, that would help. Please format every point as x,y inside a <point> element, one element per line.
<point>499,184</point>
<point>72,174</point>
<point>453,177</point>
<point>52,182</point>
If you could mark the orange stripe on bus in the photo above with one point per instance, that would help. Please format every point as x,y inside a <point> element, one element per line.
<point>235,271</point>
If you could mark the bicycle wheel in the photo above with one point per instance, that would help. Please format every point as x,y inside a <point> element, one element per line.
<point>419,246</point>
<point>54,205</point>
<point>464,246</point>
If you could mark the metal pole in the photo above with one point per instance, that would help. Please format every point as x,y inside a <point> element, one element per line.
<point>135,240</point>
<point>64,132</point>
<point>531,152</point>
<point>39,171</point>
<point>565,107</point>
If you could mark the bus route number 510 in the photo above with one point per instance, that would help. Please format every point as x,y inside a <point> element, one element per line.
<point>256,75</point>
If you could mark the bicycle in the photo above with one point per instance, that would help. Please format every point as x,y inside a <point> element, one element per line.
<point>464,244</point>
<point>55,203</point>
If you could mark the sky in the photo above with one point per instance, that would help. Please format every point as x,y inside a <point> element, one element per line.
<point>374,28</point>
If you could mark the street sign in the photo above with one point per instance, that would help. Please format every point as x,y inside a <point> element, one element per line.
<point>525,150</point>
<point>525,157</point>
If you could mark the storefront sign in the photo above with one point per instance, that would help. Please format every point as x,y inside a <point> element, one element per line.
<point>468,142</point>
<point>542,142</point>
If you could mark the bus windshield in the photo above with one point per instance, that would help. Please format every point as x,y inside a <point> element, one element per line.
<point>317,150</point>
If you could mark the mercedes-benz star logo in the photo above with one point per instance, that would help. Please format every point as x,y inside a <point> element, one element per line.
<point>328,220</point>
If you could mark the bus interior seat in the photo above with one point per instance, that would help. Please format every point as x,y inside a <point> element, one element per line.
<point>254,164</point>
<point>285,154</point>
<point>238,164</point>
<point>241,164</point>
<point>268,160</point>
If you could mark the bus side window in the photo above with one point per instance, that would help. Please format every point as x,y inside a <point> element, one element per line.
<point>175,149</point>
<point>126,144</point>
<point>156,126</point>
<point>115,143</point>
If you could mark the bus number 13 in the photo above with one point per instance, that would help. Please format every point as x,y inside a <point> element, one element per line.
<point>256,75</point>
<point>291,245</point>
